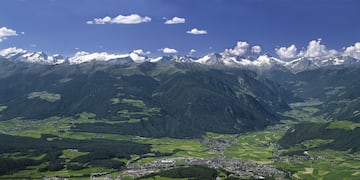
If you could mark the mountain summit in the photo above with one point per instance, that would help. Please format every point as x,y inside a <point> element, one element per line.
<point>261,63</point>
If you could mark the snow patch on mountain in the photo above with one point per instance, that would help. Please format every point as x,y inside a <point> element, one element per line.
<point>18,54</point>
<point>83,56</point>
<point>210,59</point>
<point>315,56</point>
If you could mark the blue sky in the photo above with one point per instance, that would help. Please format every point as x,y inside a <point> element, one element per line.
<point>60,26</point>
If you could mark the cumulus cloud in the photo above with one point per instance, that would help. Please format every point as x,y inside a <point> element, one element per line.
<point>169,50</point>
<point>137,57</point>
<point>192,51</point>
<point>196,31</point>
<point>175,20</point>
<point>316,50</point>
<point>287,52</point>
<point>11,51</point>
<point>256,49</point>
<point>6,32</point>
<point>353,51</point>
<point>240,49</point>
<point>121,19</point>
<point>141,52</point>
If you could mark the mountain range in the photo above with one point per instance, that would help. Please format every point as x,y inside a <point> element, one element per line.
<point>234,93</point>
<point>100,97</point>
<point>262,63</point>
<point>147,99</point>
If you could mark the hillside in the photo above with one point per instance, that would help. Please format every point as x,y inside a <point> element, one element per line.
<point>129,120</point>
<point>339,135</point>
<point>164,99</point>
<point>335,86</point>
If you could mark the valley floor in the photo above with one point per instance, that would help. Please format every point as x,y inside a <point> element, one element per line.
<point>238,156</point>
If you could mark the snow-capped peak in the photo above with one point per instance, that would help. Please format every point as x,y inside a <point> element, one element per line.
<point>210,59</point>
<point>260,63</point>
<point>83,56</point>
<point>18,54</point>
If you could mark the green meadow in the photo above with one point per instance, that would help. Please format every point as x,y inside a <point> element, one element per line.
<point>258,147</point>
<point>44,95</point>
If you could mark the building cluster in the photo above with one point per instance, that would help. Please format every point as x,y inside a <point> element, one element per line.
<point>239,168</point>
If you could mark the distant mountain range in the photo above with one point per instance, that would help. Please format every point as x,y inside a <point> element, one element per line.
<point>262,63</point>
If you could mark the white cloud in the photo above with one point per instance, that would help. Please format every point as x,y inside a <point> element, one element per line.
<point>121,19</point>
<point>315,49</point>
<point>192,51</point>
<point>137,57</point>
<point>169,50</point>
<point>83,56</point>
<point>141,52</point>
<point>286,52</point>
<point>240,49</point>
<point>256,49</point>
<point>332,52</point>
<point>196,31</point>
<point>11,51</point>
<point>175,20</point>
<point>353,51</point>
<point>6,32</point>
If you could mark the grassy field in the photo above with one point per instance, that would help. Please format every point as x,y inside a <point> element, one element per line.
<point>70,154</point>
<point>332,165</point>
<point>305,112</point>
<point>32,171</point>
<point>163,178</point>
<point>2,108</point>
<point>61,128</point>
<point>18,155</point>
<point>180,147</point>
<point>310,103</point>
<point>220,136</point>
<point>44,95</point>
<point>134,102</point>
<point>255,147</point>
<point>312,143</point>
<point>258,146</point>
<point>347,125</point>
<point>115,101</point>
